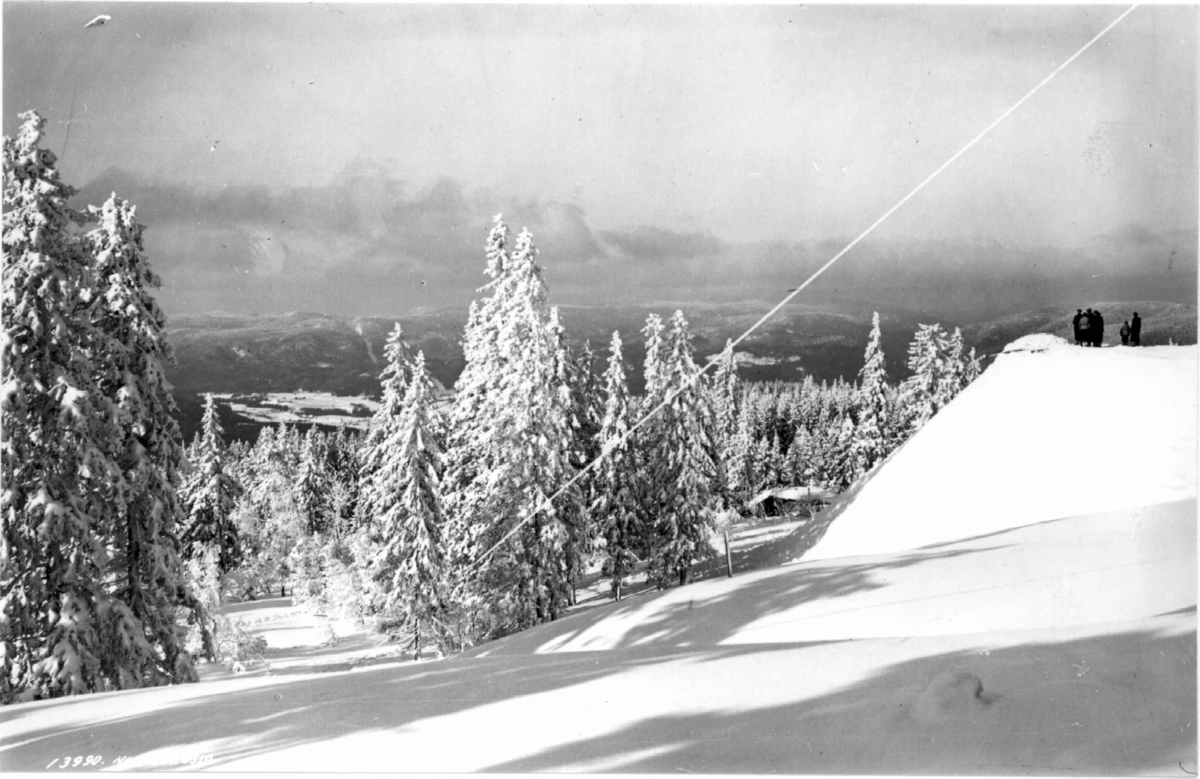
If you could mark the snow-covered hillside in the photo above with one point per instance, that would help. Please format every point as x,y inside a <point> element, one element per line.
<point>1049,431</point>
<point>1026,613</point>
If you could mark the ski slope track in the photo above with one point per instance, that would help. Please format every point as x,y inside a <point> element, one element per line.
<point>1013,592</point>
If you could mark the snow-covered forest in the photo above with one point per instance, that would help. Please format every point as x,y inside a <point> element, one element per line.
<point>121,544</point>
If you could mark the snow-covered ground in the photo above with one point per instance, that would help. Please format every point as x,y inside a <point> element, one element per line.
<point>1050,430</point>
<point>321,408</point>
<point>1046,625</point>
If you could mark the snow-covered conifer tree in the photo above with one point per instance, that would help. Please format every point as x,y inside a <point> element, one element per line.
<point>924,390</point>
<point>53,435</point>
<point>843,469</point>
<point>210,495</point>
<point>871,435</point>
<point>312,483</point>
<point>972,368</point>
<point>81,609</point>
<point>773,464</point>
<point>726,392</point>
<point>269,522</point>
<point>384,424</point>
<point>683,467</point>
<point>616,502</point>
<point>509,448</point>
<point>741,473</point>
<point>654,370</point>
<point>762,461</point>
<point>574,384</point>
<point>146,574</point>
<point>798,462</point>
<point>405,534</point>
<point>953,378</point>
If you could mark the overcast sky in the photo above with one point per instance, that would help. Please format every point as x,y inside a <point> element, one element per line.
<point>333,157</point>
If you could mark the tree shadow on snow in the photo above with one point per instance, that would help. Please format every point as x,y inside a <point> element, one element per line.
<point>707,613</point>
<point>296,706</point>
<point>295,710</point>
<point>1108,705</point>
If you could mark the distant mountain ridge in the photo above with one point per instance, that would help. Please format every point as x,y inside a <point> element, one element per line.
<point>303,350</point>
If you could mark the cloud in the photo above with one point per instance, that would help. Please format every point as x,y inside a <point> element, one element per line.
<point>370,242</point>
<point>364,230</point>
<point>655,244</point>
<point>559,229</point>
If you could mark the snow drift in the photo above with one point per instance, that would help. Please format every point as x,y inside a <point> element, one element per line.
<point>1049,431</point>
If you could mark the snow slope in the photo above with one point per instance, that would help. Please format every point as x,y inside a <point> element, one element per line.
<point>1050,430</point>
<point>1066,646</point>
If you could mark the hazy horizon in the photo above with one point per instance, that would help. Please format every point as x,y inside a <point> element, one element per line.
<point>348,158</point>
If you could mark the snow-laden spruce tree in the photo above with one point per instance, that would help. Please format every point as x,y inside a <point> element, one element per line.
<point>616,501</point>
<point>798,464</point>
<point>405,544</point>
<point>924,393</point>
<point>682,466</point>
<point>742,472</point>
<point>587,412</point>
<point>210,494</point>
<point>953,379</point>
<point>54,436</point>
<point>87,590</point>
<point>940,371</point>
<point>972,368</point>
<point>509,448</point>
<point>654,367</point>
<point>269,522</point>
<point>573,383</point>
<point>873,433</point>
<point>645,438</point>
<point>146,577</point>
<point>385,423</point>
<point>394,382</point>
<point>726,393</point>
<point>312,483</point>
<point>841,466</point>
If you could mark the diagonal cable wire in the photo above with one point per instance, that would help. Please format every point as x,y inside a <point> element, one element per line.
<point>547,502</point>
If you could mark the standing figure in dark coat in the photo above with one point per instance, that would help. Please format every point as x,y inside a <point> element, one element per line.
<point>1097,329</point>
<point>1085,328</point>
<point>1135,330</point>
<point>1125,333</point>
<point>1075,324</point>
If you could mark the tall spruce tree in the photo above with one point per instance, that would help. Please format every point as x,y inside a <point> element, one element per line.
<point>210,495</point>
<point>924,391</point>
<point>654,370</point>
<point>872,434</point>
<point>842,468</point>
<point>312,483</point>
<point>726,392</point>
<point>741,474</point>
<point>573,384</point>
<point>616,502</point>
<point>953,378</point>
<point>405,534</point>
<point>509,449</point>
<point>88,587</point>
<point>146,575</point>
<point>385,422</point>
<point>972,368</point>
<point>684,466</point>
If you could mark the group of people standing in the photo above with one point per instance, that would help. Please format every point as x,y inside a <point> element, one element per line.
<point>1089,329</point>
